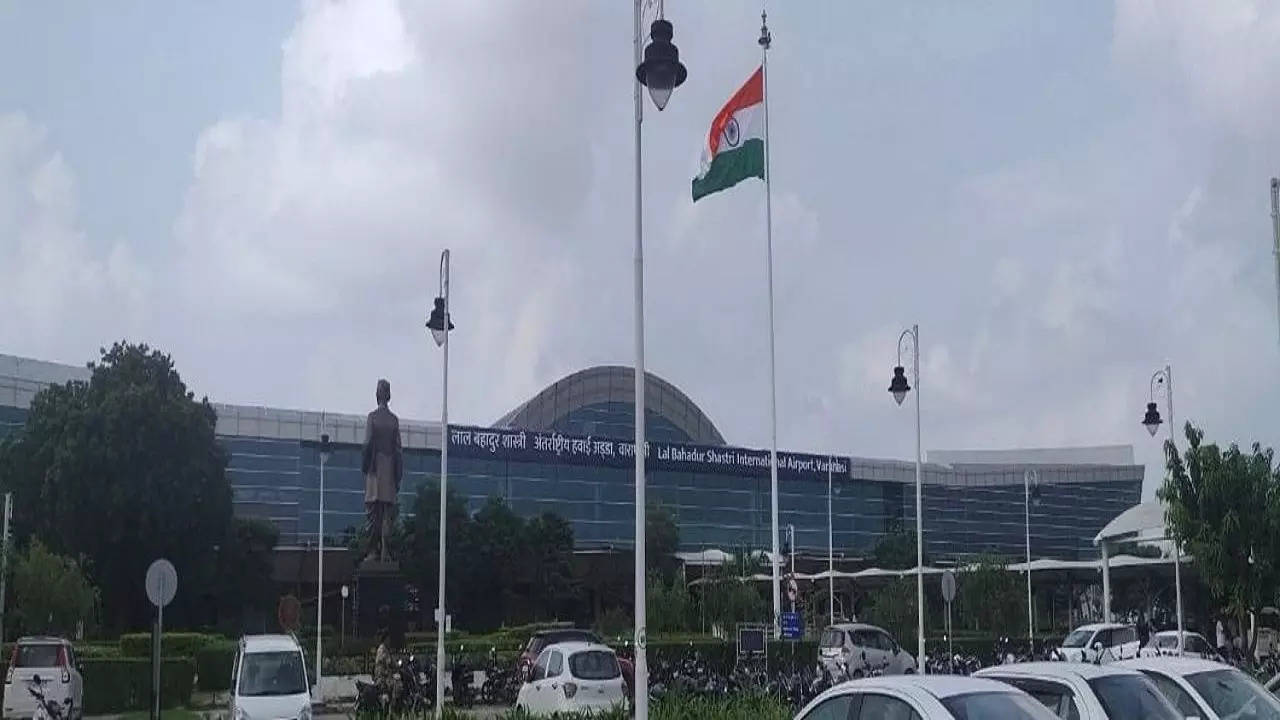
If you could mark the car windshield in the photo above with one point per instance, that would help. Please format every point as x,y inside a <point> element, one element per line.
<point>1132,697</point>
<point>1167,641</point>
<point>1003,705</point>
<point>832,637</point>
<point>272,673</point>
<point>37,656</point>
<point>1233,696</point>
<point>1077,638</point>
<point>594,665</point>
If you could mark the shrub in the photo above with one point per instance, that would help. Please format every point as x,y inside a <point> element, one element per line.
<point>174,644</point>
<point>120,685</point>
<point>213,665</point>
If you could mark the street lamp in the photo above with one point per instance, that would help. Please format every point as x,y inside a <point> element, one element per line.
<point>831,555</point>
<point>659,69</point>
<point>1031,494</point>
<point>342,632</point>
<point>325,451</point>
<point>899,387</point>
<point>1163,378</point>
<point>440,323</point>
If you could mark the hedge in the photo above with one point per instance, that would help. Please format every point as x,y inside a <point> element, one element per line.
<point>173,644</point>
<point>213,665</point>
<point>124,684</point>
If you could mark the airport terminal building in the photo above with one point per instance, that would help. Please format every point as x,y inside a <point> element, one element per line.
<point>570,450</point>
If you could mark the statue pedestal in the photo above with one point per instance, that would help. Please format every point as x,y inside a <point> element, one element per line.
<point>379,600</point>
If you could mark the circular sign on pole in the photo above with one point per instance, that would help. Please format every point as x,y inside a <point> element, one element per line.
<point>162,583</point>
<point>948,586</point>
<point>793,590</point>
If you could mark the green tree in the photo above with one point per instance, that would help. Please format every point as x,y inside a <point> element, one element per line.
<point>1222,507</point>
<point>119,471</point>
<point>992,598</point>
<point>729,596</point>
<point>420,554</point>
<point>668,605</point>
<point>893,607</point>
<point>51,593</point>
<point>548,544</point>
<point>896,551</point>
<point>661,542</point>
<point>245,564</point>
<point>496,563</point>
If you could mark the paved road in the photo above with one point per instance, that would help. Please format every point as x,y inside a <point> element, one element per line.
<point>479,712</point>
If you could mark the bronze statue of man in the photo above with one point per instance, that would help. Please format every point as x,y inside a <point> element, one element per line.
<point>382,463</point>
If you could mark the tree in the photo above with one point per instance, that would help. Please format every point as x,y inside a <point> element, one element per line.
<point>244,586</point>
<point>669,607</point>
<point>51,593</point>
<point>991,597</point>
<point>1222,506</point>
<point>420,556</point>
<point>893,607</point>
<point>119,471</point>
<point>896,551</point>
<point>661,541</point>
<point>548,544</point>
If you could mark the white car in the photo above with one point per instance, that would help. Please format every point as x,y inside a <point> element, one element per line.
<point>53,661</point>
<point>854,650</point>
<point>923,697</point>
<point>1166,644</point>
<point>269,680</point>
<point>573,677</point>
<point>1099,642</point>
<point>1083,691</point>
<point>1208,690</point>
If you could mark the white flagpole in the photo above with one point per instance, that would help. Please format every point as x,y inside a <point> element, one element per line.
<point>765,40</point>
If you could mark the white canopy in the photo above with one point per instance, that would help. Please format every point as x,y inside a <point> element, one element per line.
<point>711,556</point>
<point>1144,521</point>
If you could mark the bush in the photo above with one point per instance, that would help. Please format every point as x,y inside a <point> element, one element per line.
<point>730,707</point>
<point>120,685</point>
<point>213,666</point>
<point>174,644</point>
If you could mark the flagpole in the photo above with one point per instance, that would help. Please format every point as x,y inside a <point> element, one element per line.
<point>765,40</point>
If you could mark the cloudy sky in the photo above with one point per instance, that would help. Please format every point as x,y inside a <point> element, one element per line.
<point>1065,196</point>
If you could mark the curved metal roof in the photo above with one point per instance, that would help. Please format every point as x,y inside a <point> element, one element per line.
<point>616,384</point>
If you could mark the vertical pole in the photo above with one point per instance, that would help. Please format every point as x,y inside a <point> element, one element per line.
<point>320,570</point>
<point>1275,223</point>
<point>155,663</point>
<point>1026,492</point>
<point>915,338</point>
<point>4,557</point>
<point>641,641</point>
<point>342,624</point>
<point>1177,548</point>
<point>831,556</point>
<point>765,40</point>
<point>441,625</point>
<point>1106,583</point>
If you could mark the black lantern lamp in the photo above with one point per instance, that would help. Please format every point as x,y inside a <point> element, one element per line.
<point>437,321</point>
<point>661,70</point>
<point>1152,419</point>
<point>899,387</point>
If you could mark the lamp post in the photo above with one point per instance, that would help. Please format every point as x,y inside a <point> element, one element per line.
<point>325,450</point>
<point>831,555</point>
<point>659,69</point>
<point>1151,420</point>
<point>899,388</point>
<point>1031,493</point>
<point>342,632</point>
<point>440,323</point>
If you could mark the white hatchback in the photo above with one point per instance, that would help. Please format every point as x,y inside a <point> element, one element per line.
<point>573,677</point>
<point>1208,690</point>
<point>923,697</point>
<point>269,680</point>
<point>1099,642</point>
<point>53,661</point>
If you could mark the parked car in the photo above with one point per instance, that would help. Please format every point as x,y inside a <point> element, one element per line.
<point>1083,691</point>
<point>269,680</point>
<point>543,638</point>
<point>854,650</point>
<point>1166,644</point>
<point>1267,624</point>
<point>573,677</point>
<point>53,660</point>
<point>1100,643</point>
<point>923,697</point>
<point>1208,690</point>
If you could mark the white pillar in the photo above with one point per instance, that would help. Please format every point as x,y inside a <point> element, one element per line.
<point>1106,583</point>
<point>641,663</point>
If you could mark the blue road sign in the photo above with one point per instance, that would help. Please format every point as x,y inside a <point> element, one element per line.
<point>792,626</point>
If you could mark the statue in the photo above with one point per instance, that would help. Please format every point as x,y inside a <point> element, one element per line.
<point>382,463</point>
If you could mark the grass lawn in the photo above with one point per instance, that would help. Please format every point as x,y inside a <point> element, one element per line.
<point>174,714</point>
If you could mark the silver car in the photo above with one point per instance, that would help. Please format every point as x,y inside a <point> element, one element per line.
<point>855,650</point>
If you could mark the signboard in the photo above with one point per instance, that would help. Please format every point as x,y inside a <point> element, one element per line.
<point>948,586</point>
<point>792,626</point>
<point>751,639</point>
<point>537,446</point>
<point>161,582</point>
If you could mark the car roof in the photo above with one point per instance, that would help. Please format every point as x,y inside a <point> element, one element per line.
<point>42,639</point>
<point>1085,671</point>
<point>569,648</point>
<point>939,686</point>
<point>564,631</point>
<point>1175,665</point>
<point>1102,626</point>
<point>855,626</point>
<point>269,643</point>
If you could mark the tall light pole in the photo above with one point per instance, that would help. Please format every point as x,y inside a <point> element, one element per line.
<point>831,555</point>
<point>342,632</point>
<point>658,68</point>
<point>440,323</point>
<point>1151,420</point>
<point>899,387</point>
<point>324,458</point>
<point>1030,480</point>
<point>1275,229</point>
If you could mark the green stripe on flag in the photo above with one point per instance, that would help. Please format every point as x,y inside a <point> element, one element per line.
<point>730,167</point>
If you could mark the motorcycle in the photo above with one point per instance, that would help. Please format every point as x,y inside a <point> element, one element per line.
<point>47,709</point>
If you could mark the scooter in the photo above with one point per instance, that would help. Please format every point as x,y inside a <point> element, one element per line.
<point>47,709</point>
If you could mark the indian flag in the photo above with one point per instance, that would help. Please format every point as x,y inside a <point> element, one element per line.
<point>735,145</point>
